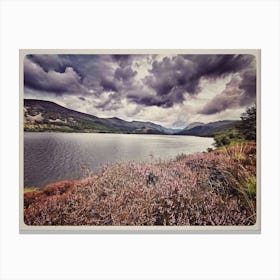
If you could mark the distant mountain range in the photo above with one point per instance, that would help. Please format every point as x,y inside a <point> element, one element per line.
<point>209,129</point>
<point>40,115</point>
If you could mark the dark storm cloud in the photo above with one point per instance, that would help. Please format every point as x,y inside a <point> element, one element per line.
<point>47,62</point>
<point>96,73</point>
<point>219,65</point>
<point>165,100</point>
<point>249,85</point>
<point>50,73</point>
<point>124,73</point>
<point>167,83</point>
<point>230,97</point>
<point>235,94</point>
<point>108,85</point>
<point>122,59</point>
<point>171,78</point>
<point>174,77</point>
<point>58,62</point>
<point>35,77</point>
<point>240,91</point>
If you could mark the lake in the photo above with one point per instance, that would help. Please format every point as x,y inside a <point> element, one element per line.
<point>51,157</point>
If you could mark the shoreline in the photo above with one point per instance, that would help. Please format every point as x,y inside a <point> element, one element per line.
<point>114,133</point>
<point>198,182</point>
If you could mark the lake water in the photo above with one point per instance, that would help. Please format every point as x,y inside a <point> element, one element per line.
<point>51,157</point>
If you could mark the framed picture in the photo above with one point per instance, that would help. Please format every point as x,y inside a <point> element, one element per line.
<point>139,141</point>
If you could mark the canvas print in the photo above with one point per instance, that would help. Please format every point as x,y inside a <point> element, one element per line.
<point>157,139</point>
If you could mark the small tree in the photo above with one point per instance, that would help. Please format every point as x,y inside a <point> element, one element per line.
<point>247,127</point>
<point>221,140</point>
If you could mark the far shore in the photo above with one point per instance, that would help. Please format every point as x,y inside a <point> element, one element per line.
<point>114,133</point>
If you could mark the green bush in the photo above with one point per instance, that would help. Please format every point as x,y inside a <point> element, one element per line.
<point>221,140</point>
<point>245,130</point>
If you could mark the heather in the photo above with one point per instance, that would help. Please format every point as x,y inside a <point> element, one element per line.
<point>212,188</point>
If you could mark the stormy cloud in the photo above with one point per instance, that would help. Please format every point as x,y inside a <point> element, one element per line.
<point>37,78</point>
<point>173,78</point>
<point>131,85</point>
<point>240,91</point>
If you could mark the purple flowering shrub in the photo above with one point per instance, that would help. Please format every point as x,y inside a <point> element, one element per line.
<point>213,188</point>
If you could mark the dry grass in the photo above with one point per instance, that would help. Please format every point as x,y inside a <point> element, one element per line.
<point>215,188</point>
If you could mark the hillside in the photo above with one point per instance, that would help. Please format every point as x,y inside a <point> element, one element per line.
<point>209,129</point>
<point>42,115</point>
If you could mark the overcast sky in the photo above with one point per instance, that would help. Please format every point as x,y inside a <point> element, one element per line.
<point>171,90</point>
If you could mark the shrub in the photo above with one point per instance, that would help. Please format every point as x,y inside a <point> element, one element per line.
<point>222,140</point>
<point>245,130</point>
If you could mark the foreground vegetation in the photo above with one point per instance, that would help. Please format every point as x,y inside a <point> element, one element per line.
<point>214,188</point>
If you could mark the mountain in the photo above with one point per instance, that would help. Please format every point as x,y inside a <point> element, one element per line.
<point>158,127</point>
<point>194,124</point>
<point>40,115</point>
<point>210,129</point>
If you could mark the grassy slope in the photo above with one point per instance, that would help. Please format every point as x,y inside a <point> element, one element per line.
<point>55,118</point>
<point>215,188</point>
<point>221,130</point>
<point>207,131</point>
